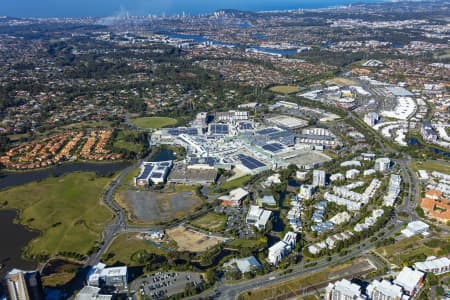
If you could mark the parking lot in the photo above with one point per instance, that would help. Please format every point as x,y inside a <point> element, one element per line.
<point>236,221</point>
<point>165,284</point>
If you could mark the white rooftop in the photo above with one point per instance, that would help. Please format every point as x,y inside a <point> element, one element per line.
<point>386,288</point>
<point>409,279</point>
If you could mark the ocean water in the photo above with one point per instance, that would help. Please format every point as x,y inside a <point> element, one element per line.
<point>104,8</point>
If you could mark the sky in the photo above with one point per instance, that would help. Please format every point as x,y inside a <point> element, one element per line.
<point>104,8</point>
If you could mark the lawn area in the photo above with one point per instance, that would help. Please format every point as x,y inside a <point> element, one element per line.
<point>154,122</point>
<point>211,221</point>
<point>250,244</point>
<point>125,245</point>
<point>285,89</point>
<point>411,250</point>
<point>235,183</point>
<point>342,81</point>
<point>120,142</point>
<point>431,165</point>
<point>67,210</point>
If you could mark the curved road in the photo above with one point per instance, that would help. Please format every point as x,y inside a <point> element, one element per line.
<point>119,223</point>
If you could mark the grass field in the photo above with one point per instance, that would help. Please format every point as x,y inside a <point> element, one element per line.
<point>154,122</point>
<point>125,245</point>
<point>342,81</point>
<point>235,183</point>
<point>67,210</point>
<point>120,142</point>
<point>285,89</point>
<point>409,250</point>
<point>430,165</point>
<point>211,222</point>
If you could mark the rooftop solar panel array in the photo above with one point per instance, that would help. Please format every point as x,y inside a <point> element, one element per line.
<point>156,175</point>
<point>267,131</point>
<point>250,162</point>
<point>245,126</point>
<point>206,161</point>
<point>219,129</point>
<point>178,131</point>
<point>146,172</point>
<point>273,147</point>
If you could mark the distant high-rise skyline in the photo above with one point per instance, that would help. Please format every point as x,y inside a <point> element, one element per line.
<point>103,8</point>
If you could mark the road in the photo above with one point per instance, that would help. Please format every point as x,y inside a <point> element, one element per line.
<point>232,291</point>
<point>119,224</point>
<point>226,291</point>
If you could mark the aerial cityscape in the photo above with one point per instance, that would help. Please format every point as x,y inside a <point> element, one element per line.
<point>225,150</point>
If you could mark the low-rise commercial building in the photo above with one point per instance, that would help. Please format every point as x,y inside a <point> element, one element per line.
<point>101,276</point>
<point>234,197</point>
<point>91,293</point>
<point>244,265</point>
<point>153,173</point>
<point>415,227</point>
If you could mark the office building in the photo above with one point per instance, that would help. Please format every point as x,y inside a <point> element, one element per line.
<point>258,217</point>
<point>101,276</point>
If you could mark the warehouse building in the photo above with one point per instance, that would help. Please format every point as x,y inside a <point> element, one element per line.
<point>153,173</point>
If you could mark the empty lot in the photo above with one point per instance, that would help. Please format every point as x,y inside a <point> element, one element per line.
<point>193,241</point>
<point>155,207</point>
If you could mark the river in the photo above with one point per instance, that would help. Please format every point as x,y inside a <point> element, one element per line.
<point>10,179</point>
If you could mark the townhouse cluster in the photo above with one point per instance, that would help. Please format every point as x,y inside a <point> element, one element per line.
<point>61,147</point>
